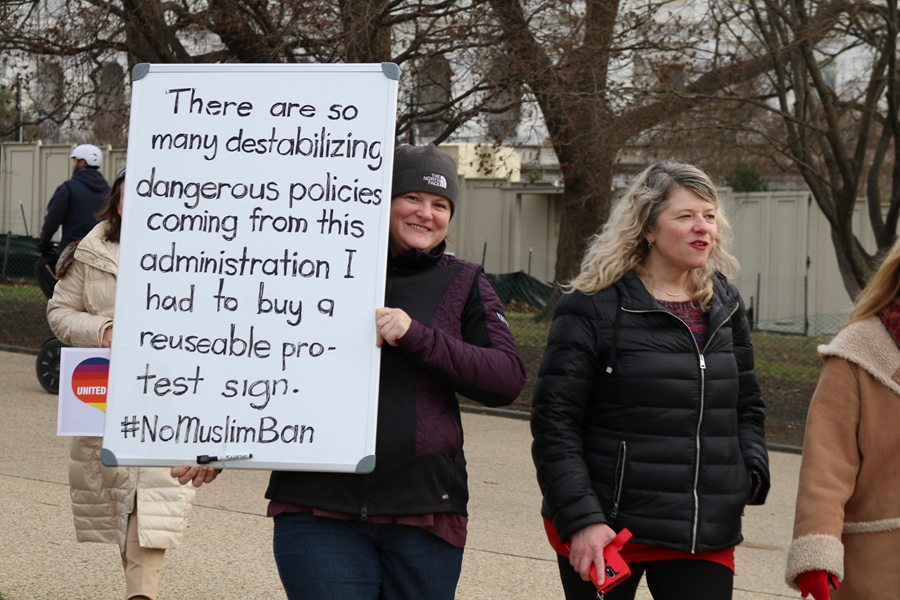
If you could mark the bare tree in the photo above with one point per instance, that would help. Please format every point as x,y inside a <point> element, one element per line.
<point>603,73</point>
<point>833,88</point>
<point>87,35</point>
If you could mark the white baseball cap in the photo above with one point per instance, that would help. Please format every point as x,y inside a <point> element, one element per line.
<point>88,153</point>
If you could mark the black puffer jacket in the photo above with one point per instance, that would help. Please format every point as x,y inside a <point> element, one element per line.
<point>661,444</point>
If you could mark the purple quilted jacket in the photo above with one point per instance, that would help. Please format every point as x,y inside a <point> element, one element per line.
<point>459,342</point>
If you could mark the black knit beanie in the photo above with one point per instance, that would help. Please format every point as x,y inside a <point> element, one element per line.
<point>425,169</point>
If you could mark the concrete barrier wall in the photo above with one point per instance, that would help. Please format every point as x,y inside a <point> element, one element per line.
<point>513,219</point>
<point>789,271</point>
<point>509,227</point>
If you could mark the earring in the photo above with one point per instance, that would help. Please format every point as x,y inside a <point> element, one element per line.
<point>649,245</point>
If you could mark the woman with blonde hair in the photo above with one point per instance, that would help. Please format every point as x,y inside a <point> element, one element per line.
<point>847,521</point>
<point>647,413</point>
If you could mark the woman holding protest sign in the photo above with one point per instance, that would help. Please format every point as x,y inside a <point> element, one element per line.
<point>647,413</point>
<point>399,531</point>
<point>143,510</point>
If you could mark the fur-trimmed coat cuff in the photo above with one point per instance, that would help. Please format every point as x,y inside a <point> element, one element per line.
<point>814,552</point>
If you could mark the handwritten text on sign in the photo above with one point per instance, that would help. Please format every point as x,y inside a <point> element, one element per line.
<point>253,257</point>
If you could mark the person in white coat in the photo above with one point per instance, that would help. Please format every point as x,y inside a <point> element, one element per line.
<point>144,510</point>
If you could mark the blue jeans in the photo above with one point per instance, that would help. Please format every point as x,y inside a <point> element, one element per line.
<point>329,559</point>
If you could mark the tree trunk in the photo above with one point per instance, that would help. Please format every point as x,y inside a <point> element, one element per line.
<point>586,204</point>
<point>586,207</point>
<point>845,266</point>
<point>856,266</point>
<point>366,40</point>
<point>227,19</point>
<point>149,34</point>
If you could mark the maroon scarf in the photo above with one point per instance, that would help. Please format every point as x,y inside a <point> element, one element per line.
<point>890,316</point>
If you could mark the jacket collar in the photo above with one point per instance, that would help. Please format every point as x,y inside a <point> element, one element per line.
<point>416,259</point>
<point>869,345</point>
<point>92,178</point>
<point>96,252</point>
<point>635,297</point>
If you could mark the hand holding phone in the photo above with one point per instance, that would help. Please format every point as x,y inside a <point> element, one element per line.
<point>615,569</point>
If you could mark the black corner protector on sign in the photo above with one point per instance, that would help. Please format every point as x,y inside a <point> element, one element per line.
<point>107,457</point>
<point>139,71</point>
<point>365,465</point>
<point>390,70</point>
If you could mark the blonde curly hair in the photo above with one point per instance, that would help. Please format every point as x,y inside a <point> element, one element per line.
<point>882,289</point>
<point>621,247</point>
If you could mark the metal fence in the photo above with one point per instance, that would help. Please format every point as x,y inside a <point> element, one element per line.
<point>19,256</point>
<point>787,364</point>
<point>23,322</point>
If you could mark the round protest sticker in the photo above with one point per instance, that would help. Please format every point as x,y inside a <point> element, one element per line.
<point>89,381</point>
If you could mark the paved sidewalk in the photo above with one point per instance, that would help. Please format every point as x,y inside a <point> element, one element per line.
<point>227,550</point>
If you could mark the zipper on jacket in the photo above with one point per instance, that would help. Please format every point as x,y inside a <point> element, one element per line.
<point>700,422</point>
<point>702,363</point>
<point>697,446</point>
<point>620,477</point>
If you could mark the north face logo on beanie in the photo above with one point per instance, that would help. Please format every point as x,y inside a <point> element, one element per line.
<point>436,180</point>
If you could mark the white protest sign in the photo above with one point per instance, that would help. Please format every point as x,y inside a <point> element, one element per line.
<point>253,256</point>
<point>83,374</point>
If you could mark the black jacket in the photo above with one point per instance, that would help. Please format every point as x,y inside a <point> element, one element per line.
<point>458,342</point>
<point>73,205</point>
<point>635,428</point>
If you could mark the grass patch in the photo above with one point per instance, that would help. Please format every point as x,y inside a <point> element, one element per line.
<point>22,292</point>
<point>788,367</point>
<point>790,357</point>
<point>527,331</point>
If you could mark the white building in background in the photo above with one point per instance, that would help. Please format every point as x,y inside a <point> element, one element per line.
<point>539,163</point>
<point>48,85</point>
<point>483,160</point>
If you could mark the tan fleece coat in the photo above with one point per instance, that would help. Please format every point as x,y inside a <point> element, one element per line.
<point>102,497</point>
<point>848,501</point>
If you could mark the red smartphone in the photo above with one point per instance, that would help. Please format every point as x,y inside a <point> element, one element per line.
<point>615,569</point>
